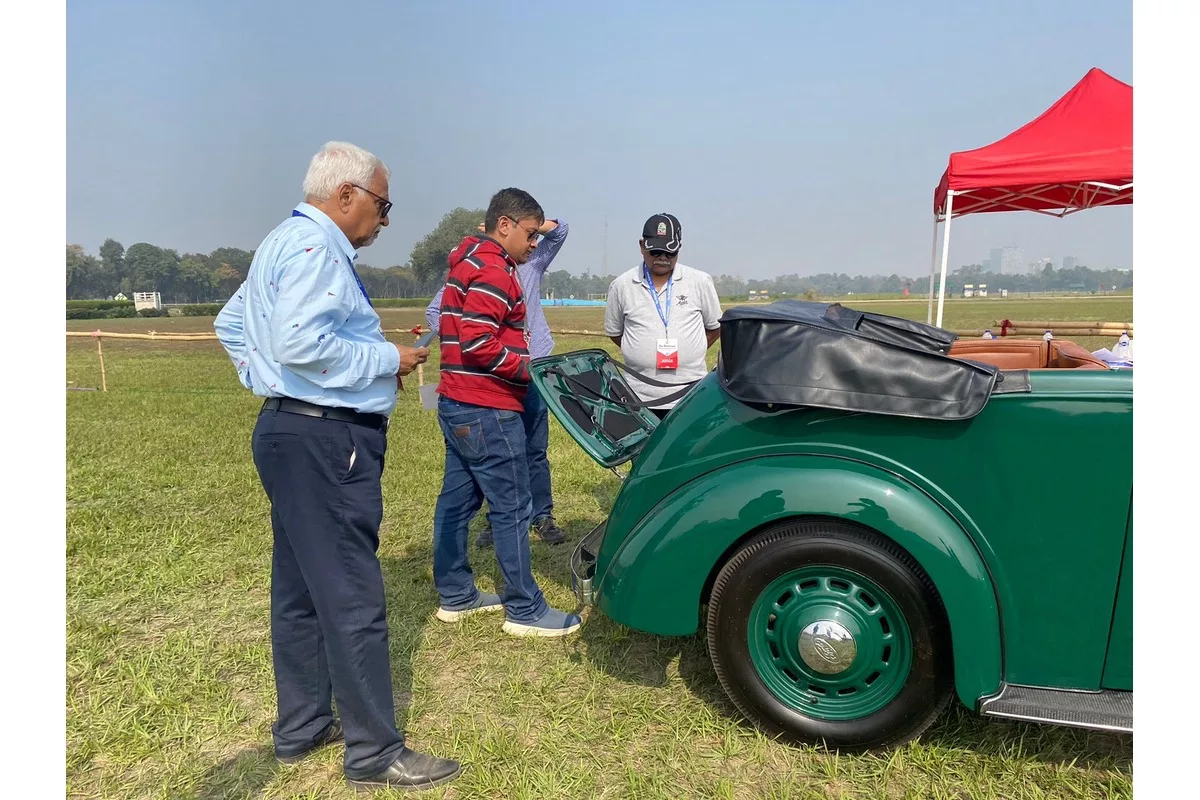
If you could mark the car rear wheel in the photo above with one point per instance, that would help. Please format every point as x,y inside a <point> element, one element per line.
<point>824,632</point>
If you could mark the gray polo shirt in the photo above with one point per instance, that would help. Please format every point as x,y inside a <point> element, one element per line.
<point>631,314</point>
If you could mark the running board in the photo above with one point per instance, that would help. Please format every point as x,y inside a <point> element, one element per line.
<point>1104,710</point>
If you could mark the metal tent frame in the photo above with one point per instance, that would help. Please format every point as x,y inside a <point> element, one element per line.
<point>1078,154</point>
<point>1088,194</point>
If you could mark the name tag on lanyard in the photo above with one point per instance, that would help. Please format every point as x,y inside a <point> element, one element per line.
<point>667,356</point>
<point>666,349</point>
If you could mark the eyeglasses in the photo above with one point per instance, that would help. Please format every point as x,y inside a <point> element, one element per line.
<point>662,253</point>
<point>531,234</point>
<point>383,204</point>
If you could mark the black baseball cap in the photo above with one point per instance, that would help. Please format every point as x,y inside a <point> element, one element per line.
<point>663,232</point>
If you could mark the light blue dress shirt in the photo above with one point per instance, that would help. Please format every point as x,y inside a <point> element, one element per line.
<point>301,325</point>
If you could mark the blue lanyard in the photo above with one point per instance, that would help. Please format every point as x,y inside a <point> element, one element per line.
<point>654,296</point>
<point>353,271</point>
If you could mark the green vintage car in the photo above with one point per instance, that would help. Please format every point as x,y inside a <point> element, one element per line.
<point>865,517</point>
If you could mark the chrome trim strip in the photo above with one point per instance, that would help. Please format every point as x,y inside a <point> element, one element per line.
<point>986,702</point>
<point>1064,723</point>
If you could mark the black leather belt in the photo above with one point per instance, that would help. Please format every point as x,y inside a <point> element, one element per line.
<point>290,406</point>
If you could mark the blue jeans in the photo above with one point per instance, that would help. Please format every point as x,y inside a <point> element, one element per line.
<point>485,459</point>
<point>537,439</point>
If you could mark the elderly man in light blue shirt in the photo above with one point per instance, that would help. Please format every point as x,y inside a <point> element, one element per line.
<point>313,343</point>
<point>302,333</point>
<point>536,416</point>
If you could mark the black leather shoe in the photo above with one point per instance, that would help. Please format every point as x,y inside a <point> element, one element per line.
<point>410,770</point>
<point>331,735</point>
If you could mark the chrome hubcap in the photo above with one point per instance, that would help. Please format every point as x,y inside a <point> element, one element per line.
<point>827,647</point>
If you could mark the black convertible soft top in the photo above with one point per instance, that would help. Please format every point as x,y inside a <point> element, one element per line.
<point>797,353</point>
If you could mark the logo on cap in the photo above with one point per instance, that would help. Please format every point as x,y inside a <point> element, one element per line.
<point>662,229</point>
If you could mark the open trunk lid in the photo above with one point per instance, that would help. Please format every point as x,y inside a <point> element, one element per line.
<point>584,389</point>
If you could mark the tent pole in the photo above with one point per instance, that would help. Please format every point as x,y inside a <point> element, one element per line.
<point>932,270</point>
<point>945,254</point>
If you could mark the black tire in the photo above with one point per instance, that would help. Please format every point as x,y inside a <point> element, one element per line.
<point>797,544</point>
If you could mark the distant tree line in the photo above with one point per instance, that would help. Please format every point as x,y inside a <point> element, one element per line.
<point>1078,278</point>
<point>213,277</point>
<point>191,277</point>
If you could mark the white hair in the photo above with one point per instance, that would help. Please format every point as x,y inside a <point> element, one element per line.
<point>337,163</point>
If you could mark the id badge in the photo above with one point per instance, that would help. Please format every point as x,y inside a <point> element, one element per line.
<point>668,354</point>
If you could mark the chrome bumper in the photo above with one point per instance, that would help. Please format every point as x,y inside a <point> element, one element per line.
<point>583,565</point>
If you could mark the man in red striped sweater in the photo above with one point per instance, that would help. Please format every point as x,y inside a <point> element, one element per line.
<point>484,378</point>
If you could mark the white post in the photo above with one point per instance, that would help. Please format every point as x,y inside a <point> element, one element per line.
<point>932,270</point>
<point>945,254</point>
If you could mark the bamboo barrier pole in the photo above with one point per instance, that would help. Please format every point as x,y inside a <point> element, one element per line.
<point>565,332</point>
<point>100,353</point>
<point>1072,330</point>
<point>1078,330</point>
<point>1117,326</point>
<point>1065,331</point>
<point>212,337</point>
<point>1058,329</point>
<point>162,337</point>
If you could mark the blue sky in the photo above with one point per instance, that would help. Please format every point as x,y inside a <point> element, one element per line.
<point>786,136</point>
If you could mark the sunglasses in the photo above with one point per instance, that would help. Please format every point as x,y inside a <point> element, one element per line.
<point>381,203</point>
<point>530,235</point>
<point>662,253</point>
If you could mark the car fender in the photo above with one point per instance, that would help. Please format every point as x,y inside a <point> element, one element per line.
<point>656,579</point>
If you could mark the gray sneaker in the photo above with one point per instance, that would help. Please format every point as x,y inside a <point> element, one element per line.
<point>552,623</point>
<point>484,601</point>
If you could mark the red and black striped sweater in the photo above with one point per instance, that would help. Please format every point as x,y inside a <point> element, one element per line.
<point>485,352</point>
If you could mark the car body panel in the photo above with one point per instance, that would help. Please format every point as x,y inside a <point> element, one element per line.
<point>654,578</point>
<point>1019,508</point>
<point>1118,663</point>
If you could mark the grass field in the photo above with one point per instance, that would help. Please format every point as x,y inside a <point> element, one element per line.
<point>169,684</point>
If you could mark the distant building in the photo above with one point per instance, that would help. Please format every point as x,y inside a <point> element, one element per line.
<point>995,259</point>
<point>1070,262</point>
<point>1039,266</point>
<point>143,300</point>
<point>1007,261</point>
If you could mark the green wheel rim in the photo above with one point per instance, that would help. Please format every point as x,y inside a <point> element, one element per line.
<point>863,676</point>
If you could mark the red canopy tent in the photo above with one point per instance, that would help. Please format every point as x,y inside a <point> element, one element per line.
<point>1078,154</point>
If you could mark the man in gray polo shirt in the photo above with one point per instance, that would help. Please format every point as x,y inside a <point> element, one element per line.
<point>663,315</point>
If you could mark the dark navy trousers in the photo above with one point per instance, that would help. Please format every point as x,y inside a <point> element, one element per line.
<point>328,614</point>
